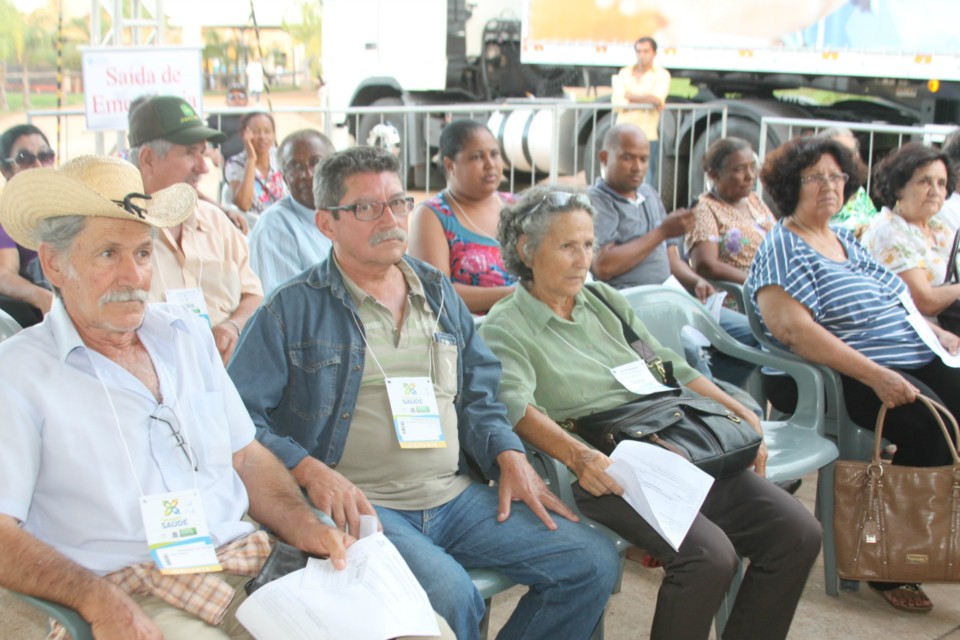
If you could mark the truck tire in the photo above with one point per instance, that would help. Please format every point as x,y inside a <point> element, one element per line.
<point>383,130</point>
<point>589,159</point>
<point>394,131</point>
<point>736,127</point>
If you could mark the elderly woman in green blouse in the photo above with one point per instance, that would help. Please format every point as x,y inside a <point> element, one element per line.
<point>558,343</point>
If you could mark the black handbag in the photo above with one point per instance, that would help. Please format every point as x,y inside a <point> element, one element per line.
<point>949,318</point>
<point>700,429</point>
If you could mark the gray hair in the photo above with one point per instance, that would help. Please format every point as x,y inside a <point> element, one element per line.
<point>160,147</point>
<point>951,147</point>
<point>835,132</point>
<point>59,232</point>
<point>333,171</point>
<point>532,216</point>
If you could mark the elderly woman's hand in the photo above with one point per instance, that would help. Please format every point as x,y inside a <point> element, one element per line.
<point>950,341</point>
<point>589,466</point>
<point>892,388</point>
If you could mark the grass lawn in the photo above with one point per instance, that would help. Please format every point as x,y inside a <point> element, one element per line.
<point>42,100</point>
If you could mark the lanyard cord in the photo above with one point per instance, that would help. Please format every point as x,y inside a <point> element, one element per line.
<point>436,325</point>
<point>123,439</point>
<point>587,356</point>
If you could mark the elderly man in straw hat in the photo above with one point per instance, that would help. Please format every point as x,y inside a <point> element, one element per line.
<point>121,430</point>
<point>202,262</point>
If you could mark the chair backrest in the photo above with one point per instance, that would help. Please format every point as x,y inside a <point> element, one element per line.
<point>854,442</point>
<point>798,443</point>
<point>8,326</point>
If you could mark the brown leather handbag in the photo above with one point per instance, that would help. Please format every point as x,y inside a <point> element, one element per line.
<point>895,523</point>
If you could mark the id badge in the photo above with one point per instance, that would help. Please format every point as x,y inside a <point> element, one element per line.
<point>416,416</point>
<point>177,533</point>
<point>192,299</point>
<point>636,377</point>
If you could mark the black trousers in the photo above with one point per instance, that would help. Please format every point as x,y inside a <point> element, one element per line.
<point>911,427</point>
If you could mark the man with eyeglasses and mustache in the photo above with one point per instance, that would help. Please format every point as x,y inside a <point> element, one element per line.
<point>367,378</point>
<point>285,241</point>
<point>23,293</point>
<point>203,262</point>
<point>128,461</point>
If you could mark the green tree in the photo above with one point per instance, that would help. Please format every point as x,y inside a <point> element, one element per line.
<point>11,33</point>
<point>309,33</point>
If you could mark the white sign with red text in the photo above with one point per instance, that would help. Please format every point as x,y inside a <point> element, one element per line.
<point>113,76</point>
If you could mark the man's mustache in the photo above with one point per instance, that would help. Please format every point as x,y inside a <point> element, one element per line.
<point>123,295</point>
<point>386,236</point>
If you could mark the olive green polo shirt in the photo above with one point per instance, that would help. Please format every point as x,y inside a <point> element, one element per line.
<point>562,367</point>
<point>390,476</point>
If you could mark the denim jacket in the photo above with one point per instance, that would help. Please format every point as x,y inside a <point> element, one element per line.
<point>300,360</point>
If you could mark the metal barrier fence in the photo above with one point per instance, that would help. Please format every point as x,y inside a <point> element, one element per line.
<point>551,141</point>
<point>881,138</point>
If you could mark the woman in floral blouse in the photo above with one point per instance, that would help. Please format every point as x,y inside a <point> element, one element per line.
<point>254,175</point>
<point>730,219</point>
<point>905,237</point>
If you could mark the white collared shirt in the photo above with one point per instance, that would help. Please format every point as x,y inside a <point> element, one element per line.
<point>64,469</point>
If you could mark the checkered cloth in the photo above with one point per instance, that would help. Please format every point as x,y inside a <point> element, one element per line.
<point>204,595</point>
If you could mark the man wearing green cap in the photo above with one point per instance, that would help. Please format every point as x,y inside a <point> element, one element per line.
<point>203,262</point>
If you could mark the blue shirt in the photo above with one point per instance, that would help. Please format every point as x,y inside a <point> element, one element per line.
<point>856,300</point>
<point>299,364</point>
<point>285,242</point>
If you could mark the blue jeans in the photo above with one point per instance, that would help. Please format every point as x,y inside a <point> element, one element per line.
<point>570,571</point>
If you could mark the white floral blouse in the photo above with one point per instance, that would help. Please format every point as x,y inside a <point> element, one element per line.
<point>901,246</point>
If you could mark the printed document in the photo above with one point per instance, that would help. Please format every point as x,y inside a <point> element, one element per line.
<point>664,488</point>
<point>376,597</point>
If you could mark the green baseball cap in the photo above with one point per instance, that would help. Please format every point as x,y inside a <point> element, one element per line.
<point>172,119</point>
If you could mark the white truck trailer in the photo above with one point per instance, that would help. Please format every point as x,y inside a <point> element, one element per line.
<point>891,61</point>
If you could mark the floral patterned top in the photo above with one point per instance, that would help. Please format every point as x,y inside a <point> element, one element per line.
<point>857,212</point>
<point>266,189</point>
<point>738,233</point>
<point>474,259</point>
<point>901,246</point>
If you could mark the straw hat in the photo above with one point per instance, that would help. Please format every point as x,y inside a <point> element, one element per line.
<point>88,186</point>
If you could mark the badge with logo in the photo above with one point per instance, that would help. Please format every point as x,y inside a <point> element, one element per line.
<point>177,533</point>
<point>416,416</point>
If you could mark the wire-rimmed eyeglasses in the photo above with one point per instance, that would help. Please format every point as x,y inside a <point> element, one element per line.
<point>159,442</point>
<point>821,179</point>
<point>367,211</point>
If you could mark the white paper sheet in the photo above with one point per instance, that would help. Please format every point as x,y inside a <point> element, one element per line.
<point>376,597</point>
<point>922,327</point>
<point>713,304</point>
<point>665,489</point>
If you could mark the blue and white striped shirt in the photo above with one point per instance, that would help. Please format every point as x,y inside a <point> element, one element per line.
<point>856,300</point>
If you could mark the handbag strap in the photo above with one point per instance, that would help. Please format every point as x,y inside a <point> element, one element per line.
<point>654,361</point>
<point>951,276</point>
<point>937,410</point>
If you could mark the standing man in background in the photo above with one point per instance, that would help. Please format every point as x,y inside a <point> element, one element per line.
<point>643,83</point>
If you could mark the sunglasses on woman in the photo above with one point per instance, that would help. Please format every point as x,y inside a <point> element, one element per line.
<point>25,159</point>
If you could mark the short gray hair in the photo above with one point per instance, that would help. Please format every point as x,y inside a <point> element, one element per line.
<point>59,232</point>
<point>333,171</point>
<point>835,132</point>
<point>532,216</point>
<point>160,147</point>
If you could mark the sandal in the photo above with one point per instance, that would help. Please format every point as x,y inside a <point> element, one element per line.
<point>641,556</point>
<point>907,597</point>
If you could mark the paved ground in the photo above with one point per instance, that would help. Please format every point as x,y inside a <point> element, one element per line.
<point>851,616</point>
